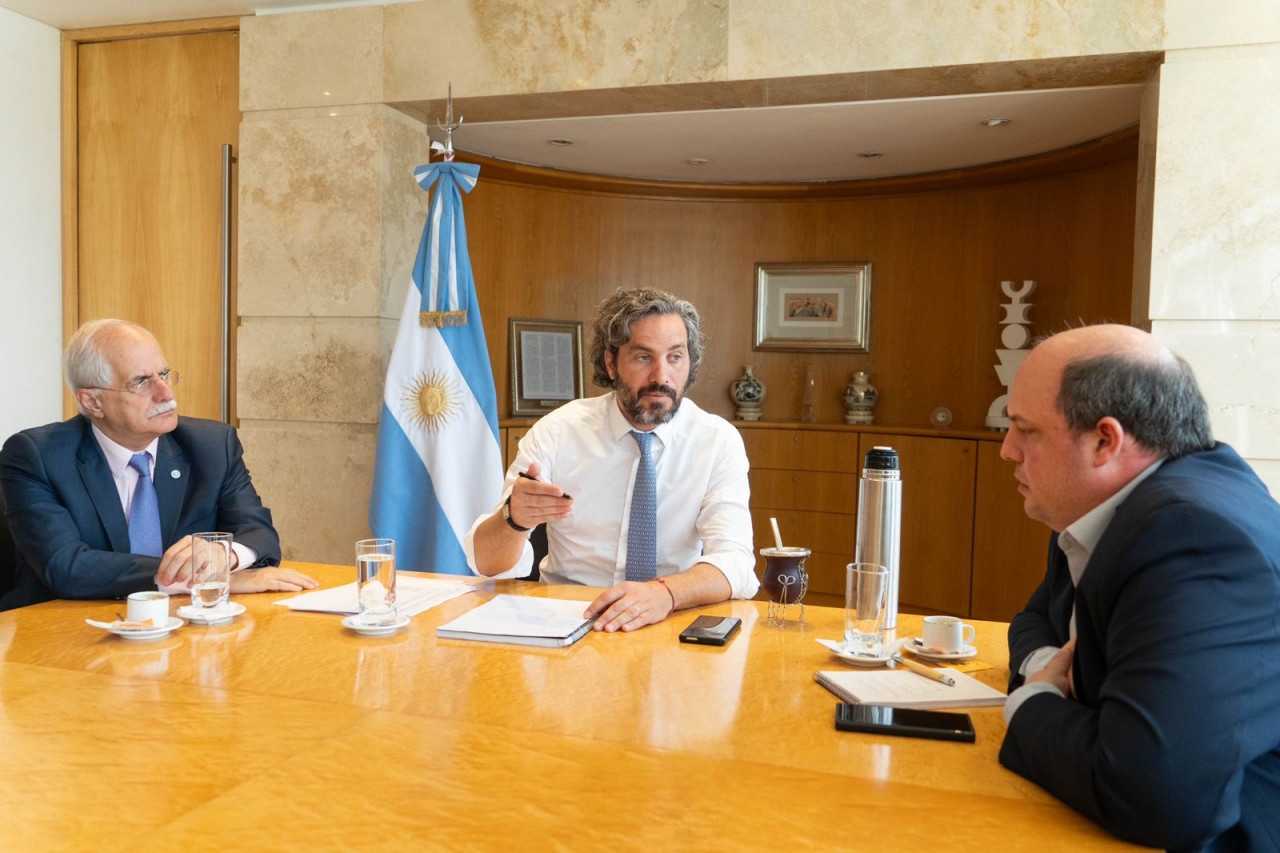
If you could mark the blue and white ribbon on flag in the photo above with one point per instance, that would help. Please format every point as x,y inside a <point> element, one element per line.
<point>439,463</point>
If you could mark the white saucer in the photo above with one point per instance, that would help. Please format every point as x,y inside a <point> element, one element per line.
<point>206,616</point>
<point>837,649</point>
<point>140,633</point>
<point>918,648</point>
<point>354,623</point>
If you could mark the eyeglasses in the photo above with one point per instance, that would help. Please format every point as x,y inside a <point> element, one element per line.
<point>146,385</point>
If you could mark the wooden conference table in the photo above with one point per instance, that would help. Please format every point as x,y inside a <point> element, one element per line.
<point>284,730</point>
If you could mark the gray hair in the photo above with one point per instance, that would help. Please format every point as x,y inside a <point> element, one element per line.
<point>1158,402</point>
<point>84,364</point>
<point>616,314</point>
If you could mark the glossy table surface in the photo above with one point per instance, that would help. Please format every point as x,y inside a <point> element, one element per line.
<point>283,730</point>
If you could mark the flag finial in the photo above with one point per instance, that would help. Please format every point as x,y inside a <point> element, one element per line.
<point>448,126</point>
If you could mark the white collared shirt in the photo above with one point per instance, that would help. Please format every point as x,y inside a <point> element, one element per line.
<point>584,447</point>
<point>126,482</point>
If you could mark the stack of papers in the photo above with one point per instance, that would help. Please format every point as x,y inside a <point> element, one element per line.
<point>521,619</point>
<point>902,688</point>
<point>413,596</point>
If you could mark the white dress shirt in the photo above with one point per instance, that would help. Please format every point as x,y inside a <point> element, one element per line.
<point>126,481</point>
<point>585,449</point>
<point>1076,542</point>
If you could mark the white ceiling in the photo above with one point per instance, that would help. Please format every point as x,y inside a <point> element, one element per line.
<point>819,142</point>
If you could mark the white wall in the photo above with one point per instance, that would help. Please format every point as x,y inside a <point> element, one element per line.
<point>30,238</point>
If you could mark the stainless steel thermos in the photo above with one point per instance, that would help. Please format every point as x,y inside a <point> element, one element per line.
<point>880,520</point>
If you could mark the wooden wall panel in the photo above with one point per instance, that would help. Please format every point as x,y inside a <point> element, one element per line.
<point>938,258</point>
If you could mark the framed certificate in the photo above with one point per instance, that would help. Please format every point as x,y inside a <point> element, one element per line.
<point>546,365</point>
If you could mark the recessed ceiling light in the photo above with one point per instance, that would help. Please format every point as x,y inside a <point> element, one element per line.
<point>560,143</point>
<point>870,155</point>
<point>996,122</point>
<point>697,161</point>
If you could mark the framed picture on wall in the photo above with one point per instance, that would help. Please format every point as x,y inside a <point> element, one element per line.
<point>546,365</point>
<point>813,307</point>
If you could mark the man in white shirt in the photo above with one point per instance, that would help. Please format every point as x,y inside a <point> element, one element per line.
<point>582,470</point>
<point>71,489</point>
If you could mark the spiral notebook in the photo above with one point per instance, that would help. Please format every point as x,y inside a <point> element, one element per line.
<point>902,688</point>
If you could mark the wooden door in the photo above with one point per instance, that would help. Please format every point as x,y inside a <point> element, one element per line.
<point>152,114</point>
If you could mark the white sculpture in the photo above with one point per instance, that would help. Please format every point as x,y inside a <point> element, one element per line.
<point>1015,336</point>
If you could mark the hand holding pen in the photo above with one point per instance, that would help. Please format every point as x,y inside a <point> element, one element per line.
<point>535,501</point>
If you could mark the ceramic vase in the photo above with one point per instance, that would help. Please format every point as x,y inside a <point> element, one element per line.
<point>860,400</point>
<point>747,393</point>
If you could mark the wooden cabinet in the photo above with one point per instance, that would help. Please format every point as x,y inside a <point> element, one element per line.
<point>937,519</point>
<point>967,548</point>
<point>1009,549</point>
<point>806,479</point>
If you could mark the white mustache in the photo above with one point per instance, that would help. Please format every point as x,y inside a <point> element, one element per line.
<point>162,408</point>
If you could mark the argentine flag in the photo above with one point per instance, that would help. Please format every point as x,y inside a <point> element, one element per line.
<point>439,463</point>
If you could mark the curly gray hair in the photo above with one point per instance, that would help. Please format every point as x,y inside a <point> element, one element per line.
<point>617,313</point>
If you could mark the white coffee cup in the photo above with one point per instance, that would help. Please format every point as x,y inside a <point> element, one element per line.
<point>946,634</point>
<point>148,606</point>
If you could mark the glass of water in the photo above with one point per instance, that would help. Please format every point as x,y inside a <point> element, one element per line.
<point>866,597</point>
<point>376,580</point>
<point>210,570</point>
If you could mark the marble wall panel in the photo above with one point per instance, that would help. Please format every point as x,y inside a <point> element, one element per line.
<point>1212,23</point>
<point>771,39</point>
<point>311,213</point>
<point>316,478</point>
<point>1238,367</point>
<point>1148,136</point>
<point>320,58</point>
<point>1216,224</point>
<point>305,369</point>
<point>404,207</point>
<point>499,47</point>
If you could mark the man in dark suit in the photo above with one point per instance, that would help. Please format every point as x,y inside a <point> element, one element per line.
<point>73,491</point>
<point>1145,687</point>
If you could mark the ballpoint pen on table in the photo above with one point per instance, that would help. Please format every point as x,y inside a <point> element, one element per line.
<point>921,669</point>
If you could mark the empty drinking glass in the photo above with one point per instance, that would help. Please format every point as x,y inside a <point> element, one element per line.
<point>865,599</point>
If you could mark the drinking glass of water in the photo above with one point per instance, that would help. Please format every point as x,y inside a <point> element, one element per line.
<point>376,580</point>
<point>210,570</point>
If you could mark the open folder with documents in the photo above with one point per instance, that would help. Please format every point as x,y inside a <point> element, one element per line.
<point>521,619</point>
<point>901,688</point>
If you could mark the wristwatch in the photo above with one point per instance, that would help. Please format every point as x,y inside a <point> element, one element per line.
<point>506,516</point>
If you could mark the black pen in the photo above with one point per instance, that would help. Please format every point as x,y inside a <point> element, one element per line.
<point>525,474</point>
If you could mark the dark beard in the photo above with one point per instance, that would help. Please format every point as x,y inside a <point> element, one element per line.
<point>645,415</point>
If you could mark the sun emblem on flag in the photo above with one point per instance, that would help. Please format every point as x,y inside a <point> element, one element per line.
<point>431,400</point>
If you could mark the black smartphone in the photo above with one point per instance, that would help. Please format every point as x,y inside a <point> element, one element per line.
<point>907,722</point>
<point>710,630</point>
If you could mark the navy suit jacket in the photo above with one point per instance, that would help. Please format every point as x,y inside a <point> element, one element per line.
<point>1174,737</point>
<point>68,525</point>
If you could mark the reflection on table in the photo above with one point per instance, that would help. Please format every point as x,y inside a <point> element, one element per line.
<point>283,730</point>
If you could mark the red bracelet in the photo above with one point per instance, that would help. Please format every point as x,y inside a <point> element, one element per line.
<point>669,592</point>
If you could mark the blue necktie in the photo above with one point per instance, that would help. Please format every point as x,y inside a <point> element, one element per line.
<point>144,511</point>
<point>642,531</point>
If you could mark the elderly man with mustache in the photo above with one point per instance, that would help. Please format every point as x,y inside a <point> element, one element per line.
<point>104,504</point>
<point>641,490</point>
